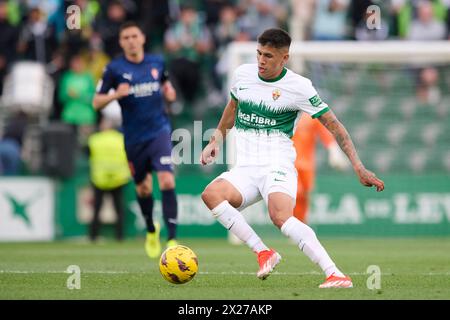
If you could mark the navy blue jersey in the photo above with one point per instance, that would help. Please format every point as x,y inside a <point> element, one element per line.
<point>143,114</point>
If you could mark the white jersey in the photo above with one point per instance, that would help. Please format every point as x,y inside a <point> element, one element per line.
<point>267,114</point>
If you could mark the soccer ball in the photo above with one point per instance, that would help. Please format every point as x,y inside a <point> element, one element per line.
<point>178,264</point>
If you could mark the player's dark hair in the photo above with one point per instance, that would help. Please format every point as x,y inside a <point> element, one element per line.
<point>129,24</point>
<point>277,38</point>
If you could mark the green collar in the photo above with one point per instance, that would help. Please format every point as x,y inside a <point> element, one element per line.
<point>281,75</point>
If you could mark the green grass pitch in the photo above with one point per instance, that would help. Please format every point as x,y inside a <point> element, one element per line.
<point>410,269</point>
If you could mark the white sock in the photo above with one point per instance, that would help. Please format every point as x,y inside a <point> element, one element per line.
<point>233,220</point>
<point>307,241</point>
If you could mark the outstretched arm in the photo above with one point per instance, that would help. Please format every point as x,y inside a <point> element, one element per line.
<point>366,177</point>
<point>226,122</point>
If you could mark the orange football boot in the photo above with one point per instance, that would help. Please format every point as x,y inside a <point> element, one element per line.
<point>337,282</point>
<point>267,260</point>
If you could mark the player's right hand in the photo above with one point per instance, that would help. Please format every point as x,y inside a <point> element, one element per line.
<point>123,90</point>
<point>209,153</point>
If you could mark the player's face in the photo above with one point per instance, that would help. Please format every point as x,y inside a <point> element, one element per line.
<point>132,41</point>
<point>271,60</point>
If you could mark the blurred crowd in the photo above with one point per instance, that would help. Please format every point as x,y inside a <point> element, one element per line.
<point>193,36</point>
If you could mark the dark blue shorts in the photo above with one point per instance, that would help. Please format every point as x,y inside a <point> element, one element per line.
<point>149,156</point>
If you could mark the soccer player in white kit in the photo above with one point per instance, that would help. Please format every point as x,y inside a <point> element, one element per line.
<point>266,101</point>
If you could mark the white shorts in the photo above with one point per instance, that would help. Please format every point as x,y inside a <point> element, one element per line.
<point>255,183</point>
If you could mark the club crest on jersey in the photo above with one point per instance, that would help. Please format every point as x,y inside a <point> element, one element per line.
<point>155,73</point>
<point>276,94</point>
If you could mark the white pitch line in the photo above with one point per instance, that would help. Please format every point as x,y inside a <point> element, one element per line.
<point>315,273</point>
<point>56,272</point>
<point>220,273</point>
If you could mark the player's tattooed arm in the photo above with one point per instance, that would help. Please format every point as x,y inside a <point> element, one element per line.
<point>329,120</point>
<point>366,177</point>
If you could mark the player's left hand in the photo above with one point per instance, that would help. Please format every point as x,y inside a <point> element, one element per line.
<point>169,92</point>
<point>369,179</point>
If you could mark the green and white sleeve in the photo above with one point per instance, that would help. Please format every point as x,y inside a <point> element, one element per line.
<point>311,102</point>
